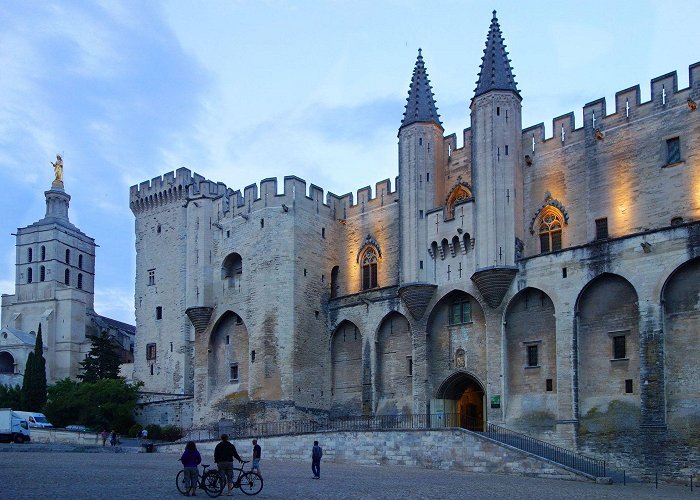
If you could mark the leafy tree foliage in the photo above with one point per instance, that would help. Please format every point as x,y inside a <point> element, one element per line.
<point>104,404</point>
<point>34,382</point>
<point>11,397</point>
<point>102,362</point>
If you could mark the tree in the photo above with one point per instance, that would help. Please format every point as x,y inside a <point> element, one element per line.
<point>105,404</point>
<point>34,382</point>
<point>10,397</point>
<point>27,381</point>
<point>102,362</point>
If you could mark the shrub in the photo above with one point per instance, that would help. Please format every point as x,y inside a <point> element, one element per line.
<point>154,431</point>
<point>134,430</point>
<point>171,433</point>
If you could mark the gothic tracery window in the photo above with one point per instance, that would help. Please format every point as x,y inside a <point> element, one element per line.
<point>550,232</point>
<point>369,268</point>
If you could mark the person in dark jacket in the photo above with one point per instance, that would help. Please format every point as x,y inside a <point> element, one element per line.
<point>316,454</point>
<point>224,453</point>
<point>190,460</point>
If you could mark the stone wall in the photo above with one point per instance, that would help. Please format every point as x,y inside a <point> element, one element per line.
<point>453,449</point>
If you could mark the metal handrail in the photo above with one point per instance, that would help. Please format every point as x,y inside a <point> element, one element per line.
<point>557,454</point>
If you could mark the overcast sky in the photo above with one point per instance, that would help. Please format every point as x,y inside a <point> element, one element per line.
<point>239,91</point>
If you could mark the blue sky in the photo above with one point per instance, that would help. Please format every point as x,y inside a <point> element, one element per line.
<point>239,91</point>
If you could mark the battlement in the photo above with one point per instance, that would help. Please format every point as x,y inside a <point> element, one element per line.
<point>629,107</point>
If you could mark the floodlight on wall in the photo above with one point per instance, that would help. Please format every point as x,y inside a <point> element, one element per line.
<point>285,207</point>
<point>599,134</point>
<point>646,246</point>
<point>692,105</point>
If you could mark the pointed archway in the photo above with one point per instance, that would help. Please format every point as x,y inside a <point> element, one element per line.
<point>461,398</point>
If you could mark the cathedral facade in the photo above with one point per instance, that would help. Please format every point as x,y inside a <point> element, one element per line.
<point>549,284</point>
<point>55,288</point>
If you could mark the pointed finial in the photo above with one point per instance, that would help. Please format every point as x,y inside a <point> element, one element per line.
<point>494,14</point>
<point>419,52</point>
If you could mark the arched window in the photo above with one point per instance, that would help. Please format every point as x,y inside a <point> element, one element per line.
<point>455,245</point>
<point>67,256</point>
<point>66,277</point>
<point>334,281</point>
<point>434,249</point>
<point>29,254</point>
<point>232,270</point>
<point>7,363</point>
<point>43,253</point>
<point>80,281</point>
<point>445,246</point>
<point>550,231</point>
<point>42,273</point>
<point>29,275</point>
<point>459,194</point>
<point>368,264</point>
<point>80,261</point>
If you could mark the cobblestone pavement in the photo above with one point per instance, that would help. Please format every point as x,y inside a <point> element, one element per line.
<point>49,473</point>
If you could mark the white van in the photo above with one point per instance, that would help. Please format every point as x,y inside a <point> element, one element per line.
<point>34,419</point>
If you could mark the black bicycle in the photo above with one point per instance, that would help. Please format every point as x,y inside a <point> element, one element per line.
<point>209,480</point>
<point>249,482</point>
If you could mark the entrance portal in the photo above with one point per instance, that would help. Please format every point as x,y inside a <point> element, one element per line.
<point>461,398</point>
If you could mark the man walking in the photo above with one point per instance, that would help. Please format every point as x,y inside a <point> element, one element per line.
<point>256,458</point>
<point>224,453</point>
<point>316,454</point>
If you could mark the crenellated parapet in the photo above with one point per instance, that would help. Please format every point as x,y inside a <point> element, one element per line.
<point>172,187</point>
<point>665,96</point>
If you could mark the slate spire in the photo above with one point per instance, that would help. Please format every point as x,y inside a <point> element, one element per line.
<point>420,105</point>
<point>495,72</point>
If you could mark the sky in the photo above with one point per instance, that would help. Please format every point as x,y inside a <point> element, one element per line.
<point>239,91</point>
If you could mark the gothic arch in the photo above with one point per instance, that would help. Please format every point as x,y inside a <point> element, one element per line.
<point>346,369</point>
<point>461,398</point>
<point>227,356</point>
<point>461,192</point>
<point>531,357</point>
<point>680,298</point>
<point>7,363</point>
<point>368,258</point>
<point>550,206</point>
<point>394,366</point>
<point>232,270</point>
<point>607,349</point>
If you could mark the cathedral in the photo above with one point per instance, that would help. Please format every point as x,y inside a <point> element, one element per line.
<point>55,288</point>
<point>547,284</point>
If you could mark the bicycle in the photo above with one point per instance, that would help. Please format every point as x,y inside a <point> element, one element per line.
<point>249,482</point>
<point>210,481</point>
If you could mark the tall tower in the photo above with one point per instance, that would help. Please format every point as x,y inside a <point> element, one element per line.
<point>420,172</point>
<point>496,170</point>
<point>54,284</point>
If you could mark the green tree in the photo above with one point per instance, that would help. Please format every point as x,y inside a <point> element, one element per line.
<point>38,387</point>
<point>10,397</point>
<point>102,362</point>
<point>27,381</point>
<point>107,403</point>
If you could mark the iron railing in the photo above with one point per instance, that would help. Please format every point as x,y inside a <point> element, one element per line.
<point>557,454</point>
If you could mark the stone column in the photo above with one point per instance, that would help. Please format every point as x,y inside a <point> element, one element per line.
<point>652,396</point>
<point>199,317</point>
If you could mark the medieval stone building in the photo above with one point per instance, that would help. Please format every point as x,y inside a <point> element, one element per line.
<point>55,288</point>
<point>550,284</point>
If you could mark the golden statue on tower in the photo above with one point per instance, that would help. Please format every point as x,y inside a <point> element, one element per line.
<point>58,170</point>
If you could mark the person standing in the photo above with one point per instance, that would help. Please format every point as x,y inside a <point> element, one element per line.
<point>224,453</point>
<point>104,435</point>
<point>190,460</point>
<point>316,454</point>
<point>113,438</point>
<point>144,435</point>
<point>256,458</point>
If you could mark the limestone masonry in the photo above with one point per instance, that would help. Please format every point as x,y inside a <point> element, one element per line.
<point>548,284</point>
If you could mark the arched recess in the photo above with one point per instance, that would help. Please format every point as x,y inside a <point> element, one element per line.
<point>456,338</point>
<point>461,401</point>
<point>7,363</point>
<point>459,194</point>
<point>228,356</point>
<point>531,359</point>
<point>681,301</point>
<point>607,332</point>
<point>346,370</point>
<point>232,271</point>
<point>394,373</point>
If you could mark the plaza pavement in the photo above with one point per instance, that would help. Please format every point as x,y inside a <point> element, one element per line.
<point>68,472</point>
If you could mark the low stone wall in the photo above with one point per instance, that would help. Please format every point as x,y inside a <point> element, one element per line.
<point>63,436</point>
<point>449,449</point>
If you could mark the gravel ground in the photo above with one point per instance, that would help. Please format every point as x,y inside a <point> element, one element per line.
<point>73,473</point>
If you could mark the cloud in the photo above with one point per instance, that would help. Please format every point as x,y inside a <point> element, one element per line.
<point>115,303</point>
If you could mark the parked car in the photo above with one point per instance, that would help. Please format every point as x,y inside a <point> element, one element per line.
<point>79,428</point>
<point>35,419</point>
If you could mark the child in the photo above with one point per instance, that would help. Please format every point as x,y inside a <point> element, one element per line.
<point>190,460</point>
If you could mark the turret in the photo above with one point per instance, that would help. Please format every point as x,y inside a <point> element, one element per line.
<point>420,172</point>
<point>496,170</point>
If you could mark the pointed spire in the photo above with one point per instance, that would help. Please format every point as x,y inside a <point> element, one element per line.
<point>420,105</point>
<point>495,71</point>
